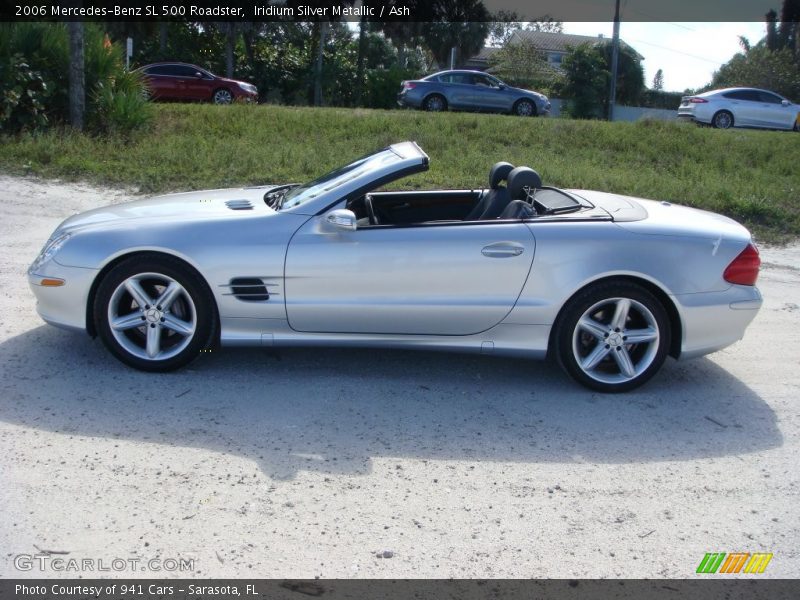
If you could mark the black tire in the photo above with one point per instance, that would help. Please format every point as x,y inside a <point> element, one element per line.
<point>222,96</point>
<point>570,339</point>
<point>525,108</point>
<point>200,302</point>
<point>435,103</point>
<point>722,119</point>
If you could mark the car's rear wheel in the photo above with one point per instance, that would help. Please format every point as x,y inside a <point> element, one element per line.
<point>612,336</point>
<point>222,96</point>
<point>525,108</point>
<point>154,313</point>
<point>722,120</point>
<point>435,103</point>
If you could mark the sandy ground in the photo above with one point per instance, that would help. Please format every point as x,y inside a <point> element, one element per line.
<point>307,463</point>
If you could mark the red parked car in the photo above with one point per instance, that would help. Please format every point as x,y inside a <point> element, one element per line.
<point>182,81</point>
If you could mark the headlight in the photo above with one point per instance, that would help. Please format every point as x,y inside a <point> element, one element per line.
<point>52,246</point>
<point>248,87</point>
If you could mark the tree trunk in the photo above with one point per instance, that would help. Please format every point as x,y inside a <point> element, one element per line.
<point>362,50</point>
<point>162,40</point>
<point>230,42</point>
<point>77,82</point>
<point>323,30</point>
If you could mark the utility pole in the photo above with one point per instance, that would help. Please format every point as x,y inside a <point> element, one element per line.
<point>77,81</point>
<point>614,62</point>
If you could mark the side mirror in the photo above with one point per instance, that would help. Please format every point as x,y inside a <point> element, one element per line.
<point>785,103</point>
<point>502,86</point>
<point>342,219</point>
<point>198,74</point>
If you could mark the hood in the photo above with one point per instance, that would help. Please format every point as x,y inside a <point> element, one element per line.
<point>188,206</point>
<point>530,93</point>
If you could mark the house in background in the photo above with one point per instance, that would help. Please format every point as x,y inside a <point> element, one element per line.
<point>555,47</point>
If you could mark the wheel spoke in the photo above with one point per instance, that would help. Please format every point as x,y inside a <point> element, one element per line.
<point>624,362</point>
<point>169,295</point>
<point>178,325</point>
<point>620,314</point>
<point>640,336</point>
<point>589,325</point>
<point>135,289</point>
<point>153,341</point>
<point>127,322</point>
<point>595,356</point>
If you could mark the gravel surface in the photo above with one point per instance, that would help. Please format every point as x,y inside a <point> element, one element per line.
<point>356,463</point>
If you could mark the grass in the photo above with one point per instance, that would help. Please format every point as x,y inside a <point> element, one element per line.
<point>752,176</point>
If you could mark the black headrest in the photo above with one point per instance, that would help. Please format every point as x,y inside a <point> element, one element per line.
<point>498,173</point>
<point>520,180</point>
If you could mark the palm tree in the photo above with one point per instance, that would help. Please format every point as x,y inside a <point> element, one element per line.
<point>77,81</point>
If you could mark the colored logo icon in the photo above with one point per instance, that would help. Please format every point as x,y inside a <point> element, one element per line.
<point>735,562</point>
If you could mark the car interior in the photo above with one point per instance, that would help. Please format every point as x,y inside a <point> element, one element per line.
<point>522,197</point>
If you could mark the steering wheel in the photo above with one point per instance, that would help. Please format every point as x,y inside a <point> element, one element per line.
<point>373,220</point>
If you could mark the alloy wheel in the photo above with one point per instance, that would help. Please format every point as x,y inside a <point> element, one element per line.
<point>152,316</point>
<point>615,340</point>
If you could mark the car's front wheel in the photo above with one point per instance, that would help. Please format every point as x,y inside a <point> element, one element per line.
<point>154,313</point>
<point>222,96</point>
<point>612,336</point>
<point>525,108</point>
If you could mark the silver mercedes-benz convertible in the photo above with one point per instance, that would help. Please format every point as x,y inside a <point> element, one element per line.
<point>606,284</point>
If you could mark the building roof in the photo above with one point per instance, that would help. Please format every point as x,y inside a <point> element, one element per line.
<point>559,42</point>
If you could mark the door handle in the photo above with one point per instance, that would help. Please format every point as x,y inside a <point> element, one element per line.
<point>502,250</point>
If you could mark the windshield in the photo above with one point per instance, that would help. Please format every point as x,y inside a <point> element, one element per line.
<point>338,177</point>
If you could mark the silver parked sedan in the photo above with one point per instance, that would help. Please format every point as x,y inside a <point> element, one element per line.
<point>609,285</point>
<point>741,107</point>
<point>471,90</point>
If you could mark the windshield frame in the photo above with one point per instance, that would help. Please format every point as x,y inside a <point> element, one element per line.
<point>365,172</point>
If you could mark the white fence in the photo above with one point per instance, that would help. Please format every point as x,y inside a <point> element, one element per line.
<point>624,113</point>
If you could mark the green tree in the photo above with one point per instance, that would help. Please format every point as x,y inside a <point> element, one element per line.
<point>460,24</point>
<point>585,81</point>
<point>658,80</point>
<point>587,70</point>
<point>523,64</point>
<point>759,67</point>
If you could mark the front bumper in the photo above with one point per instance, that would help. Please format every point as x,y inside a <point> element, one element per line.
<point>715,320</point>
<point>63,306</point>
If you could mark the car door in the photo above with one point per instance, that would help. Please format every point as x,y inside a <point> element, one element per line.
<point>774,113</point>
<point>445,279</point>
<point>191,83</point>
<point>487,94</point>
<point>161,82</point>
<point>458,89</point>
<point>749,111</point>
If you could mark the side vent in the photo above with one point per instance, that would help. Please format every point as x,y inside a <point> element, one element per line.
<point>249,289</point>
<point>239,205</point>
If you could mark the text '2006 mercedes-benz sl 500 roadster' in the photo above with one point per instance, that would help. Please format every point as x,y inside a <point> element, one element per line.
<point>606,284</point>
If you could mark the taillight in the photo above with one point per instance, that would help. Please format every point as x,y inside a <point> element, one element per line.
<point>698,100</point>
<point>408,85</point>
<point>744,268</point>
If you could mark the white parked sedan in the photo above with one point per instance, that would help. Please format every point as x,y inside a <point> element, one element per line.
<point>740,107</point>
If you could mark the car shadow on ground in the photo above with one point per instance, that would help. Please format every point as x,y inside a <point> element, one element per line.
<point>334,410</point>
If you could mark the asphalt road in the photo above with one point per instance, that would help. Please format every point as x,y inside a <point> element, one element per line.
<point>309,462</point>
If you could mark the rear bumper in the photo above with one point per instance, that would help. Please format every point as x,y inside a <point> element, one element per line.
<point>715,320</point>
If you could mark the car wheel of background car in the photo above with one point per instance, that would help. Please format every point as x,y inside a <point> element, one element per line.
<point>154,313</point>
<point>222,96</point>
<point>612,336</point>
<point>722,120</point>
<point>525,108</point>
<point>435,103</point>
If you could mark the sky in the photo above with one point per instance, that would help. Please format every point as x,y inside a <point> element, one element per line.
<point>688,53</point>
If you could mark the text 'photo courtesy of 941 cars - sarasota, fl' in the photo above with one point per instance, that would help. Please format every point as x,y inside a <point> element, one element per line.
<point>607,285</point>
